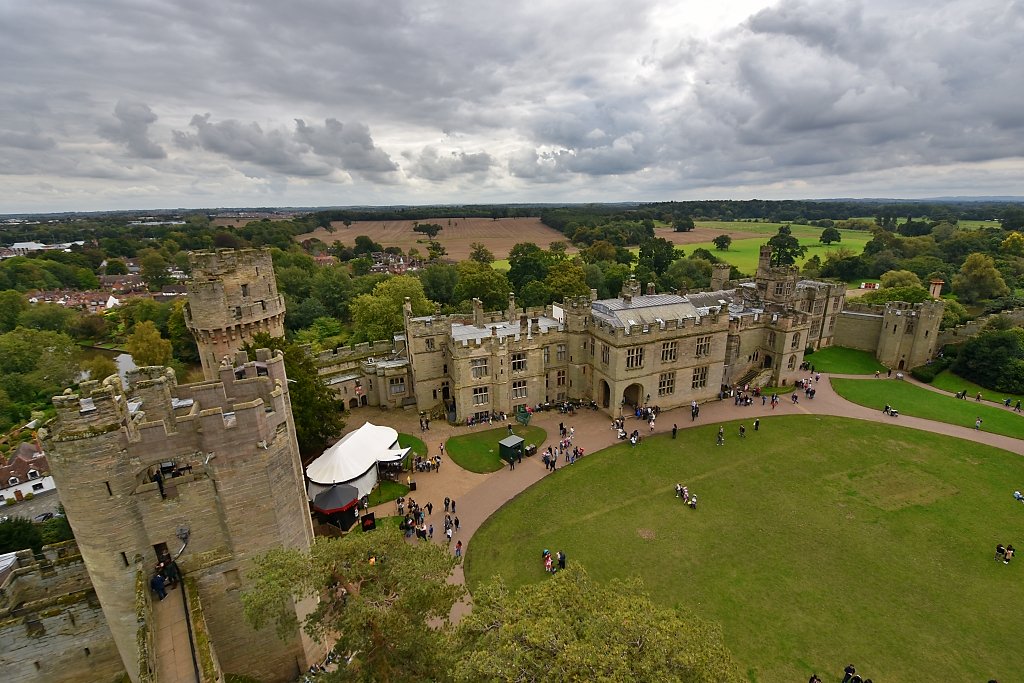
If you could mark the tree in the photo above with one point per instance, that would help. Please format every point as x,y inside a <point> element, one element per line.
<point>479,281</point>
<point>953,314</point>
<point>527,262</point>
<point>722,242</point>
<point>656,254</point>
<point>436,250</point>
<point>599,251</point>
<point>89,327</point>
<point>687,273</point>
<point>315,409</point>
<point>377,596</point>
<point>115,266</point>
<point>1013,218</point>
<point>480,253</point>
<point>1013,244</point>
<point>12,303</point>
<point>830,235</point>
<point>53,317</point>
<point>567,279</point>
<point>913,295</point>
<point>428,229</point>
<point>978,279</point>
<point>994,359</point>
<point>154,270</point>
<point>18,533</point>
<point>570,628</point>
<point>36,364</point>
<point>786,249</point>
<point>439,282</point>
<point>900,278</point>
<point>812,267</point>
<point>682,224</point>
<point>99,367</point>
<point>183,343</point>
<point>365,245</point>
<point>379,315</point>
<point>147,347</point>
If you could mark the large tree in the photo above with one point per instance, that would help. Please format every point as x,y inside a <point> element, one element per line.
<point>994,358</point>
<point>830,235</point>
<point>147,347</point>
<point>154,270</point>
<point>786,249</point>
<point>722,242</point>
<point>428,229</point>
<point>480,253</point>
<point>527,262</point>
<point>900,278</point>
<point>479,281</point>
<point>379,315</point>
<point>567,278</point>
<point>12,303</point>
<point>569,628</point>
<point>657,253</point>
<point>315,409</point>
<point>17,533</point>
<point>377,596</point>
<point>439,282</point>
<point>682,224</point>
<point>979,279</point>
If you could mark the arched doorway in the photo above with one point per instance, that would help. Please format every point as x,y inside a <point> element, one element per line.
<point>353,403</point>
<point>633,395</point>
<point>767,362</point>
<point>362,400</point>
<point>606,395</point>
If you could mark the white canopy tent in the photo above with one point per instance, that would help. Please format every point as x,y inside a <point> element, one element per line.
<point>353,460</point>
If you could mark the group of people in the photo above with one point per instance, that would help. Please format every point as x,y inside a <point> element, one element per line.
<point>1004,553</point>
<point>166,576</point>
<point>850,675</point>
<point>1016,408</point>
<point>553,564</point>
<point>889,410</point>
<point>431,464</point>
<point>564,447</point>
<point>688,499</point>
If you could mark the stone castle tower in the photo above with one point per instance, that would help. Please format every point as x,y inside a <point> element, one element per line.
<point>909,334</point>
<point>232,295</point>
<point>230,487</point>
<point>774,283</point>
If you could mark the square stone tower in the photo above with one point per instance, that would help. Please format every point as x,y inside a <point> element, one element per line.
<point>137,465</point>
<point>232,295</point>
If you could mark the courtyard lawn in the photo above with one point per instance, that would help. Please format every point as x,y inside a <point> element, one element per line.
<point>818,541</point>
<point>478,451</point>
<point>413,442</point>
<point>913,400</point>
<point>387,490</point>
<point>840,360</point>
<point>949,381</point>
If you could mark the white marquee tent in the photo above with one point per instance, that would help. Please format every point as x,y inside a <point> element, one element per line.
<point>353,460</point>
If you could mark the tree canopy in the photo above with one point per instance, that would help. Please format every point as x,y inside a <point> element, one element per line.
<point>147,347</point>
<point>900,278</point>
<point>994,358</point>
<point>830,235</point>
<point>979,279</point>
<point>722,242</point>
<point>379,315</point>
<point>786,249</point>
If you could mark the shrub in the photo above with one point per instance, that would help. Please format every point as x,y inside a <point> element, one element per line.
<point>928,373</point>
<point>29,495</point>
<point>808,351</point>
<point>10,501</point>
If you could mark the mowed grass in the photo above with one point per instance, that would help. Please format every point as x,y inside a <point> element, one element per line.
<point>478,451</point>
<point>931,405</point>
<point>413,442</point>
<point>843,361</point>
<point>387,490</point>
<point>947,380</point>
<point>818,541</point>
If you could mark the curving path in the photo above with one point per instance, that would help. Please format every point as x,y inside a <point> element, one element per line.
<point>478,496</point>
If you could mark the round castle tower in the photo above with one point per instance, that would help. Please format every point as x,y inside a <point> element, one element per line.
<point>232,295</point>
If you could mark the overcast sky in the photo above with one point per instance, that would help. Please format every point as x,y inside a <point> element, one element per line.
<point>110,104</point>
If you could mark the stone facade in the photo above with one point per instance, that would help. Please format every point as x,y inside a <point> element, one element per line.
<point>901,335</point>
<point>232,295</point>
<point>231,477</point>
<point>51,624</point>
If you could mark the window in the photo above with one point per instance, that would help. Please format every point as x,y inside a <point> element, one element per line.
<point>669,351</point>
<point>816,328</point>
<point>819,306</point>
<point>37,487</point>
<point>831,323</point>
<point>910,326</point>
<point>13,481</point>
<point>700,378</point>
<point>519,388</point>
<point>591,348</point>
<point>429,343</point>
<point>605,354</point>
<point>245,291</point>
<point>519,362</point>
<point>635,357</point>
<point>792,363</point>
<point>667,383</point>
<point>547,355</point>
<point>779,288</point>
<point>771,339</point>
<point>560,378</point>
<point>560,352</point>
<point>703,346</point>
<point>479,367</point>
<point>796,341</point>
<point>480,396</point>
<point>396,385</point>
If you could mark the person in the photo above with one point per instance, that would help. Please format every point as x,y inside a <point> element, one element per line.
<point>448,535</point>
<point>510,430</point>
<point>172,575</point>
<point>1017,495</point>
<point>675,428</point>
<point>850,669</point>
<point>693,502</point>
<point>157,584</point>
<point>1016,408</point>
<point>456,523</point>
<point>548,566</point>
<point>679,490</point>
<point>814,677</point>
<point>458,549</point>
<point>447,503</point>
<point>430,532</point>
<point>632,440</point>
<point>977,423</point>
<point>856,679</point>
<point>453,506</point>
<point>1000,551</point>
<point>430,508</point>
<point>561,560</point>
<point>886,409</point>
<point>877,372</point>
<point>757,424</point>
<point>743,432</point>
<point>721,436</point>
<point>1008,555</point>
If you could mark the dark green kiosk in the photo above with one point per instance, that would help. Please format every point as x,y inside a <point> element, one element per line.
<point>510,448</point>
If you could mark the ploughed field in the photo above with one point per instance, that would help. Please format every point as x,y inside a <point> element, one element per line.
<point>817,541</point>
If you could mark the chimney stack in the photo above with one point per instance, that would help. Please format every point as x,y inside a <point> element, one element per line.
<point>650,289</point>
<point>935,290</point>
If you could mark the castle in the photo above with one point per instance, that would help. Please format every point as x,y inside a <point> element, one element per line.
<point>207,472</point>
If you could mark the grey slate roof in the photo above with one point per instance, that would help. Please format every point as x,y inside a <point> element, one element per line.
<point>467,333</point>
<point>645,309</point>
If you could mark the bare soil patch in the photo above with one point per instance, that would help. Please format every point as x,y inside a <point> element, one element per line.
<point>457,235</point>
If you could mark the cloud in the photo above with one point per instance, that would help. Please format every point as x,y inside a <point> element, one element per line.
<point>432,165</point>
<point>132,129</point>
<point>349,144</point>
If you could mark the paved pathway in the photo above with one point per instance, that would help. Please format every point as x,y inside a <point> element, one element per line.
<point>173,650</point>
<point>478,496</point>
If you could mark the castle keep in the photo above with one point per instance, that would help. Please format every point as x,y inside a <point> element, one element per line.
<point>209,469</point>
<point>232,295</point>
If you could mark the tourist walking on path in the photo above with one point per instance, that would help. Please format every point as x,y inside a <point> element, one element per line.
<point>458,549</point>
<point>721,436</point>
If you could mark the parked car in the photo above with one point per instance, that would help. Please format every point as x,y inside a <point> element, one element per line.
<point>43,517</point>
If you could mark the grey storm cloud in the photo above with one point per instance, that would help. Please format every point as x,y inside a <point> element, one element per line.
<point>132,128</point>
<point>540,101</point>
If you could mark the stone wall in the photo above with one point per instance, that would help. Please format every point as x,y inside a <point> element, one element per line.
<point>961,333</point>
<point>51,624</point>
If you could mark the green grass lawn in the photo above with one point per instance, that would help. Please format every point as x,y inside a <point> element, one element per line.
<point>913,400</point>
<point>818,541</point>
<point>413,442</point>
<point>843,361</point>
<point>387,490</point>
<point>947,380</point>
<point>478,451</point>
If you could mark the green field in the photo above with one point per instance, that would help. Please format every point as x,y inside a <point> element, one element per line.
<point>842,361</point>
<point>478,451</point>
<point>948,381</point>
<point>875,549</point>
<point>931,405</point>
<point>743,253</point>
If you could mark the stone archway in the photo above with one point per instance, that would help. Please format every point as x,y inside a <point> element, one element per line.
<point>353,403</point>
<point>633,395</point>
<point>606,395</point>
<point>767,361</point>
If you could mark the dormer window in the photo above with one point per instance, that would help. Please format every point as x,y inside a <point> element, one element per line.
<point>13,481</point>
<point>33,474</point>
